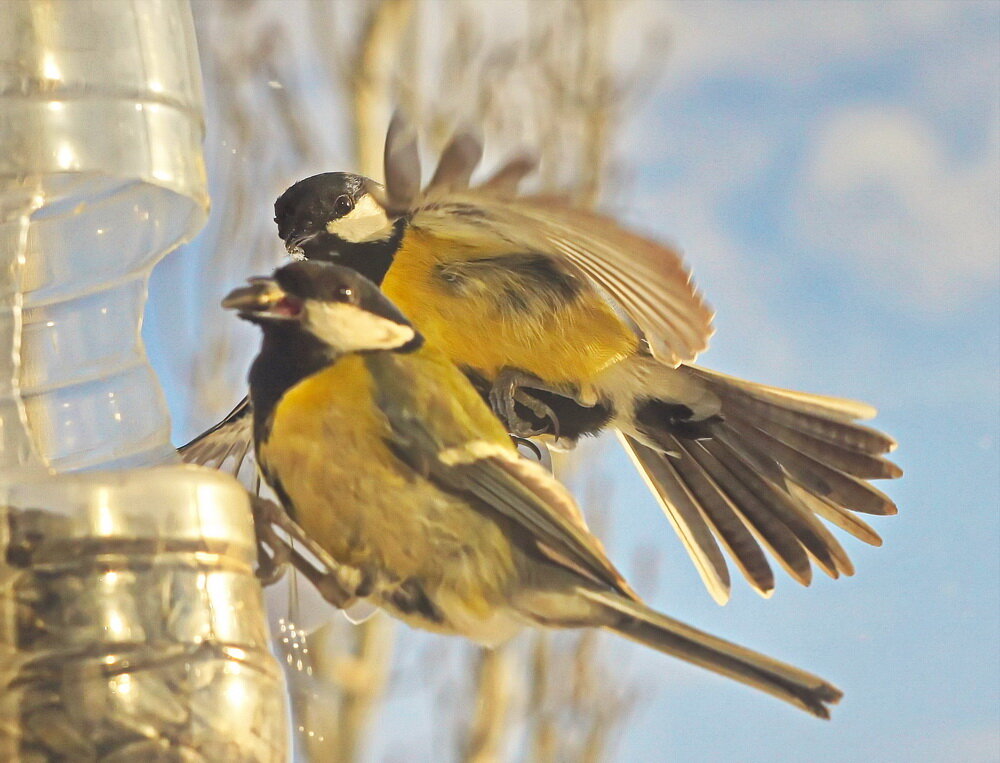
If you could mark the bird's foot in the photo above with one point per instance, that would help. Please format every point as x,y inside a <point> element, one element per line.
<point>510,390</point>
<point>333,582</point>
<point>536,451</point>
<point>273,553</point>
<point>271,565</point>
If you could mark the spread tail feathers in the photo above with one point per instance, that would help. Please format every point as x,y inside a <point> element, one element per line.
<point>761,473</point>
<point>638,622</point>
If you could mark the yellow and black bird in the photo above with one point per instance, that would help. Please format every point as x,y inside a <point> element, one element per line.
<point>570,324</point>
<point>387,457</point>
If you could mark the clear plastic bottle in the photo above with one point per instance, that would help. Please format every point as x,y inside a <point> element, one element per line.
<point>101,174</point>
<point>131,626</point>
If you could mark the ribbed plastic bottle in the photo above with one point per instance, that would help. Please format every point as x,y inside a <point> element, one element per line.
<point>131,626</point>
<point>102,172</point>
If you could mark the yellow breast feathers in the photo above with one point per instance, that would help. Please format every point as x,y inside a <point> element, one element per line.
<point>329,447</point>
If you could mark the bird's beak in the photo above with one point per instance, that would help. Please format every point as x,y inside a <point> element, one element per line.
<point>262,298</point>
<point>295,242</point>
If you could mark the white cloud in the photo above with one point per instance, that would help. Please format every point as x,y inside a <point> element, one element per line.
<point>884,188</point>
<point>881,192</point>
<point>903,194</point>
<point>794,40</point>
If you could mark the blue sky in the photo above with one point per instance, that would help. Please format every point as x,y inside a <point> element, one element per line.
<point>832,173</point>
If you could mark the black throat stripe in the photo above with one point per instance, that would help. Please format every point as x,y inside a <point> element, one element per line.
<point>372,259</point>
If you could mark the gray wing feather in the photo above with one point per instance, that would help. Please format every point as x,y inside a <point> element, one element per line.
<point>230,438</point>
<point>402,164</point>
<point>647,280</point>
<point>729,525</point>
<point>507,179</point>
<point>497,478</point>
<point>684,514</point>
<point>457,163</point>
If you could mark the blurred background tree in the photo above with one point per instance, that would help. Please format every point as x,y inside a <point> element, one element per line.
<point>297,88</point>
<point>814,166</point>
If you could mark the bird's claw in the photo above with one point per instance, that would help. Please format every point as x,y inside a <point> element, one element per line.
<point>508,391</point>
<point>271,566</point>
<point>501,396</point>
<point>329,582</point>
<point>540,411</point>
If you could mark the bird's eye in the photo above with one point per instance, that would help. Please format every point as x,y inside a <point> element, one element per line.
<point>343,204</point>
<point>345,294</point>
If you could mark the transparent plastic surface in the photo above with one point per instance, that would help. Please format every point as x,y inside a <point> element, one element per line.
<point>101,174</point>
<point>131,624</point>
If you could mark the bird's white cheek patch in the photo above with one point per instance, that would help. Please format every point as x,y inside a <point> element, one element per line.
<point>366,222</point>
<point>348,328</point>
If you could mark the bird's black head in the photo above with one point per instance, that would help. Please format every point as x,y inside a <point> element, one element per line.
<point>337,307</point>
<point>336,217</point>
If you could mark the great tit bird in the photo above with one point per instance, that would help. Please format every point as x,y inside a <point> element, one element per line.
<point>384,454</point>
<point>570,324</point>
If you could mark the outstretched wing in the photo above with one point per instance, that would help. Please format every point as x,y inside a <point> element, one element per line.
<point>646,279</point>
<point>231,437</point>
<point>442,429</point>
